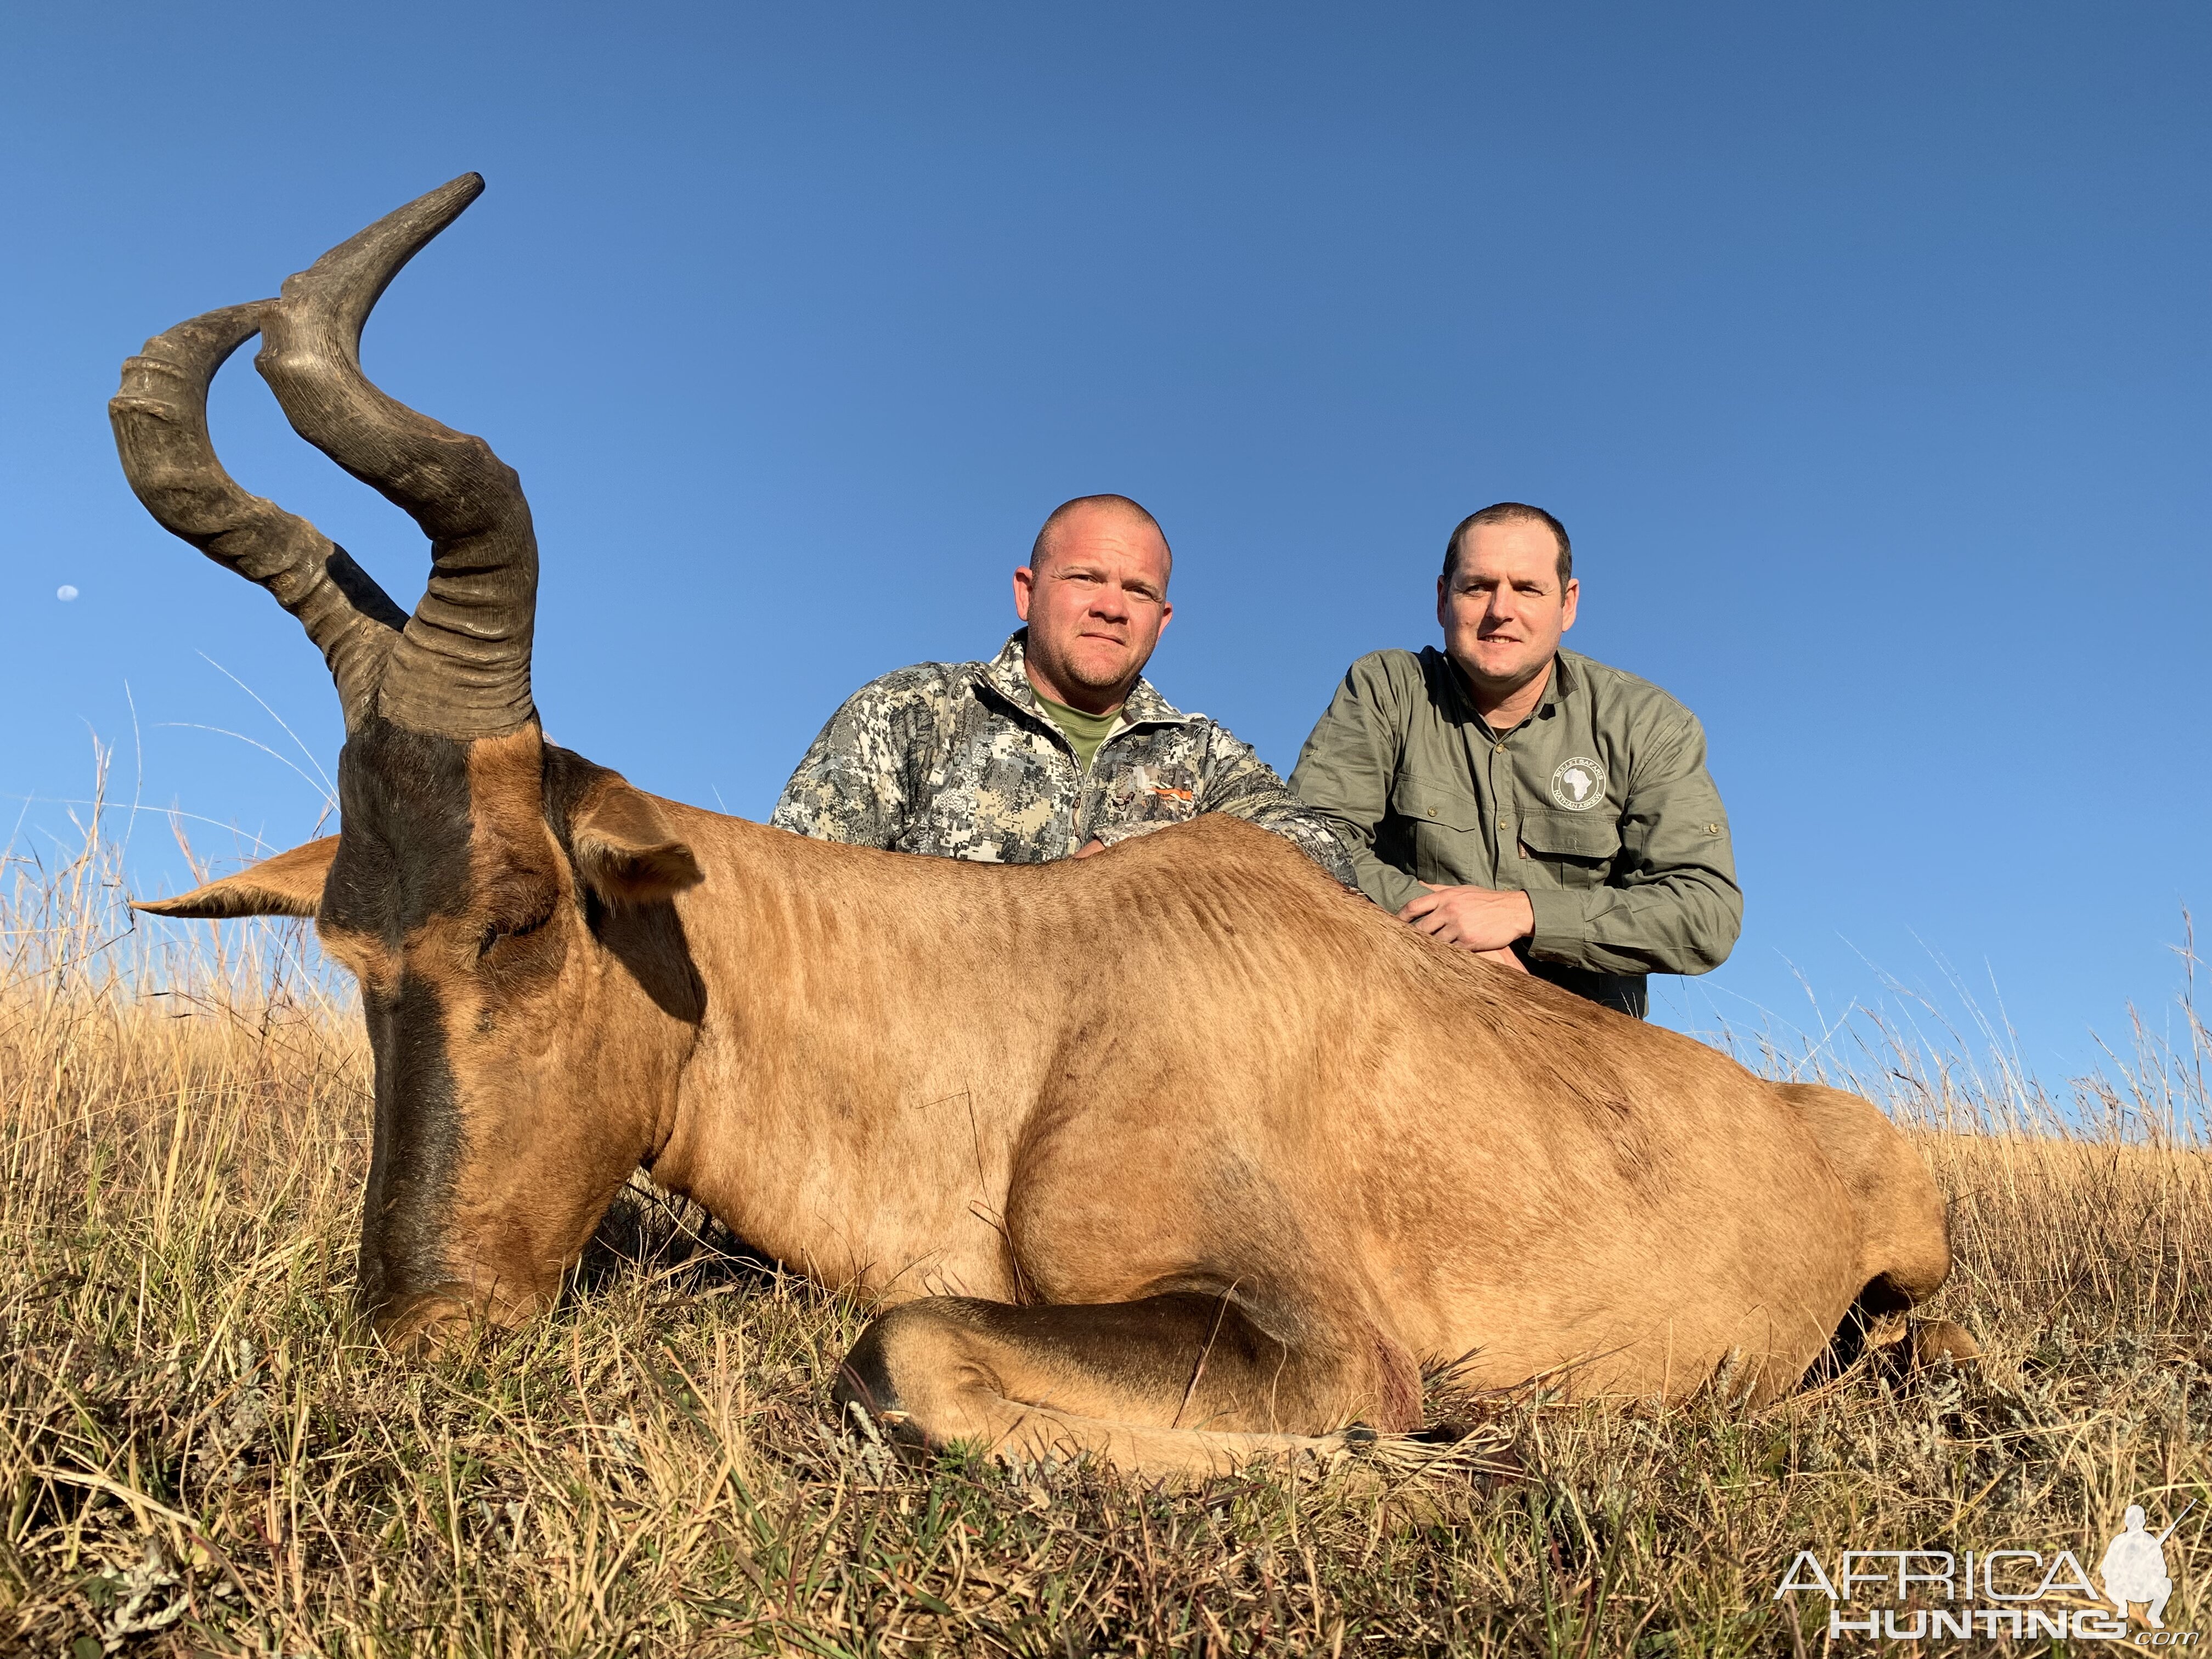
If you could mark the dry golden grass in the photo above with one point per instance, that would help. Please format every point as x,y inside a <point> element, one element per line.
<point>202,1451</point>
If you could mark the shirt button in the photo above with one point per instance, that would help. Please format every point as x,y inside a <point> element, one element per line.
<point>1501,748</point>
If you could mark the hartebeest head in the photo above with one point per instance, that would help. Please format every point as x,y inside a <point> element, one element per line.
<point>503,902</point>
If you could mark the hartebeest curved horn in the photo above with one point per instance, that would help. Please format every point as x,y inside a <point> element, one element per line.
<point>461,668</point>
<point>160,418</point>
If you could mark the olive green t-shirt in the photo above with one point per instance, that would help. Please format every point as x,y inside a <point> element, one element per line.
<point>1084,732</point>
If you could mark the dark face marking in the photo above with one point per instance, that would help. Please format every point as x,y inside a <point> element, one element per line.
<point>403,856</point>
<point>456,896</point>
<point>403,859</point>
<point>417,1147</point>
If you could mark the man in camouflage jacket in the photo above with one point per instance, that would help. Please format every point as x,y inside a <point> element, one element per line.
<point>982,760</point>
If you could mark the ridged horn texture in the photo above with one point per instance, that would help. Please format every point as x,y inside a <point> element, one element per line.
<point>160,418</point>
<point>461,667</point>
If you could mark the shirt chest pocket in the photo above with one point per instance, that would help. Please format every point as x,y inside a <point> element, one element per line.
<point>1575,849</point>
<point>1443,830</point>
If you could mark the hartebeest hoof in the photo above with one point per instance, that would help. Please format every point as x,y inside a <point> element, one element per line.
<point>425,1340</point>
<point>1934,1340</point>
<point>433,1322</point>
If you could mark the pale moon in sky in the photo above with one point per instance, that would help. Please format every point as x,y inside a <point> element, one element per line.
<point>64,593</point>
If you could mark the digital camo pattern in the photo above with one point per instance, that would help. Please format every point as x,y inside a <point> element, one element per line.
<point>957,760</point>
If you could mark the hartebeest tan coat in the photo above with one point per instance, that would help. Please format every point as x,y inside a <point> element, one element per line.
<point>1175,1156</point>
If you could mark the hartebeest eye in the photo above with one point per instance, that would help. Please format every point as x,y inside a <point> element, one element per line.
<point>503,932</point>
<point>493,932</point>
<point>521,903</point>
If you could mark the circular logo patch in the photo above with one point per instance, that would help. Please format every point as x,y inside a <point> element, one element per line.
<point>1578,784</point>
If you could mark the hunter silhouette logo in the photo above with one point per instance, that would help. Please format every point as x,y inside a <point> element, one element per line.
<point>2134,1567</point>
<point>1930,1595</point>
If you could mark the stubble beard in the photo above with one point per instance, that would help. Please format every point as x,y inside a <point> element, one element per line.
<point>1077,671</point>
<point>1091,681</point>
<point>1504,685</point>
<point>1068,673</point>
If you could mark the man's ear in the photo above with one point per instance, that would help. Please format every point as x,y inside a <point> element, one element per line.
<point>289,885</point>
<point>623,849</point>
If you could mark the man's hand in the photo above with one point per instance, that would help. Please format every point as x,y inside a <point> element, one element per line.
<point>1094,845</point>
<point>1472,918</point>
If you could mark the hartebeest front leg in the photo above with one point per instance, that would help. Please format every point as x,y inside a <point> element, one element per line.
<point>1179,1384</point>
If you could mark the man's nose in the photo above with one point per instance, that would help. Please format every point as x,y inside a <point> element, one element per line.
<point>1110,604</point>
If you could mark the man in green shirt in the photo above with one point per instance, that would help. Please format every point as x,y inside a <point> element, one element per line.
<point>1519,801</point>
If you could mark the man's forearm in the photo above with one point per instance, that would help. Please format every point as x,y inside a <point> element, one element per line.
<point>1343,778</point>
<point>1684,923</point>
<point>828,798</point>
<point>1387,885</point>
<point>1311,834</point>
<point>1238,782</point>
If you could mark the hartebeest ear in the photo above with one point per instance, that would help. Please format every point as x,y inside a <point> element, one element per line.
<point>623,848</point>
<point>289,885</point>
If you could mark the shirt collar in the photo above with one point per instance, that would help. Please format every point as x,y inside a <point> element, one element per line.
<point>1564,686</point>
<point>1004,675</point>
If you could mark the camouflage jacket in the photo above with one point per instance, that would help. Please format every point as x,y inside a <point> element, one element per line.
<point>957,760</point>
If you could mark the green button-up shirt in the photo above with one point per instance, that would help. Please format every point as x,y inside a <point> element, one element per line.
<point>1598,806</point>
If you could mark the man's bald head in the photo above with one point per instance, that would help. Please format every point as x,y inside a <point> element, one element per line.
<point>1092,509</point>
<point>1095,596</point>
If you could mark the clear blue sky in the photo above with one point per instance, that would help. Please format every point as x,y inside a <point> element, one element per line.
<point>1863,349</point>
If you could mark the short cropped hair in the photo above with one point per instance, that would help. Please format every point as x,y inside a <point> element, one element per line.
<point>1510,513</point>
<point>1042,545</point>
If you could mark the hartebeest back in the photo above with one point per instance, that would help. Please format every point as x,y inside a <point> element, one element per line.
<point>1176,1155</point>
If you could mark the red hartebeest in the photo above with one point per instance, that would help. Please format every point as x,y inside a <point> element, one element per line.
<point>1228,1158</point>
